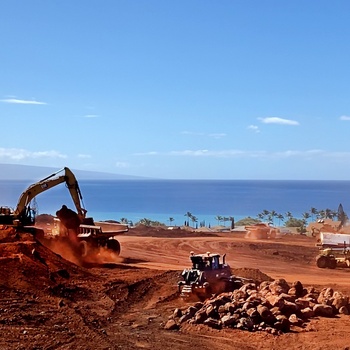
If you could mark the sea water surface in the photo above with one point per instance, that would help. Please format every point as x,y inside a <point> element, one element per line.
<point>160,200</point>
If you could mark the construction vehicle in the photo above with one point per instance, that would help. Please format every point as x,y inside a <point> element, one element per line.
<point>207,276</point>
<point>334,250</point>
<point>262,230</point>
<point>75,228</point>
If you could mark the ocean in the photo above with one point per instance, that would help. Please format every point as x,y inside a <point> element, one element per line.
<point>159,200</point>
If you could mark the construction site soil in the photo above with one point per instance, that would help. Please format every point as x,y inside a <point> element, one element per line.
<point>48,302</point>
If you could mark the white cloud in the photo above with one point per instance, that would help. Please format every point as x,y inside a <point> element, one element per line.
<point>214,135</point>
<point>192,153</point>
<point>91,116</point>
<point>217,135</point>
<point>22,102</point>
<point>254,128</point>
<point>192,133</point>
<point>122,165</point>
<point>276,120</point>
<point>21,154</point>
<point>303,154</point>
<point>84,156</point>
<point>344,117</point>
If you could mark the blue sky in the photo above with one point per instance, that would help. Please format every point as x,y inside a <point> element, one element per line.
<point>177,89</point>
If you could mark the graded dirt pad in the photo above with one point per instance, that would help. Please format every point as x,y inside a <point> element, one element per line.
<point>48,302</point>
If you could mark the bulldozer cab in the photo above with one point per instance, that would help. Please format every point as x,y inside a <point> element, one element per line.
<point>206,261</point>
<point>191,276</point>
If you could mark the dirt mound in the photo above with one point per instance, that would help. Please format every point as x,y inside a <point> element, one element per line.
<point>254,274</point>
<point>26,264</point>
<point>9,234</point>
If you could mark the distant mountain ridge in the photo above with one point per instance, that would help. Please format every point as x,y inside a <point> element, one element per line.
<point>35,173</point>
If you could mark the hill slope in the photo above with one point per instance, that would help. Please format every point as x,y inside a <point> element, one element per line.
<point>29,172</point>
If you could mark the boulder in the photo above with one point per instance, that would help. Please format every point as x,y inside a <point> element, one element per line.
<point>275,301</point>
<point>344,310</point>
<point>171,325</point>
<point>307,313</point>
<point>282,323</point>
<point>294,320</point>
<point>339,300</point>
<point>296,289</point>
<point>229,320</point>
<point>302,303</point>
<point>289,308</point>
<point>323,310</point>
<point>177,313</point>
<point>213,323</point>
<point>211,311</point>
<point>245,323</point>
<point>200,316</point>
<point>279,286</point>
<point>325,296</point>
<point>230,307</point>
<point>184,318</point>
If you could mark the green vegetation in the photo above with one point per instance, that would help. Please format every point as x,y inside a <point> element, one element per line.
<point>247,221</point>
<point>300,224</point>
<point>270,216</point>
<point>149,222</point>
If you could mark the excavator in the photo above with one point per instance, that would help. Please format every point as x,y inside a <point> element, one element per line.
<point>24,215</point>
<point>81,233</point>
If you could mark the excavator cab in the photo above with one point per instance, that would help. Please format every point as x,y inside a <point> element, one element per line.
<point>6,216</point>
<point>28,218</point>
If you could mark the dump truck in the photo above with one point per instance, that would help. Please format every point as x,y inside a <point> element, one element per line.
<point>334,250</point>
<point>72,227</point>
<point>207,276</point>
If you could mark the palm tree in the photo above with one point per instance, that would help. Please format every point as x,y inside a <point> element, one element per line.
<point>232,219</point>
<point>260,216</point>
<point>289,215</point>
<point>313,212</point>
<point>224,219</point>
<point>321,214</point>
<point>189,215</point>
<point>272,216</point>
<point>170,221</point>
<point>306,216</point>
<point>342,217</point>
<point>146,222</point>
<point>329,213</point>
<point>193,219</point>
<point>218,218</point>
<point>124,220</point>
<point>266,213</point>
<point>280,217</point>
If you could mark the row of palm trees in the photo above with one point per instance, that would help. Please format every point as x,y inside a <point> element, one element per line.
<point>266,215</point>
<point>313,213</point>
<point>191,218</point>
<point>220,219</point>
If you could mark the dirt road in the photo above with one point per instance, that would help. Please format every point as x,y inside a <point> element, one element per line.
<point>49,303</point>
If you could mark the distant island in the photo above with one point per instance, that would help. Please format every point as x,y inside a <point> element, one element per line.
<point>35,173</point>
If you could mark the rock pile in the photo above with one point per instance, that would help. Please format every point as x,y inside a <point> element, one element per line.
<point>272,306</point>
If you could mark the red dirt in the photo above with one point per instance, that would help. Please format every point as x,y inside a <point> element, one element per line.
<point>50,303</point>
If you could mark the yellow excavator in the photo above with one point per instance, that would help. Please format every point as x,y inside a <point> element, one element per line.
<point>87,237</point>
<point>24,215</point>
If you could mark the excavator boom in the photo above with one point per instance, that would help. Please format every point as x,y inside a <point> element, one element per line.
<point>22,211</point>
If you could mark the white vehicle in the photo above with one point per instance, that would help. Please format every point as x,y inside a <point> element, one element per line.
<point>334,250</point>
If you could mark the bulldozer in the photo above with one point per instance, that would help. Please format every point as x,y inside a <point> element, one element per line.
<point>209,275</point>
<point>334,250</point>
<point>78,232</point>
